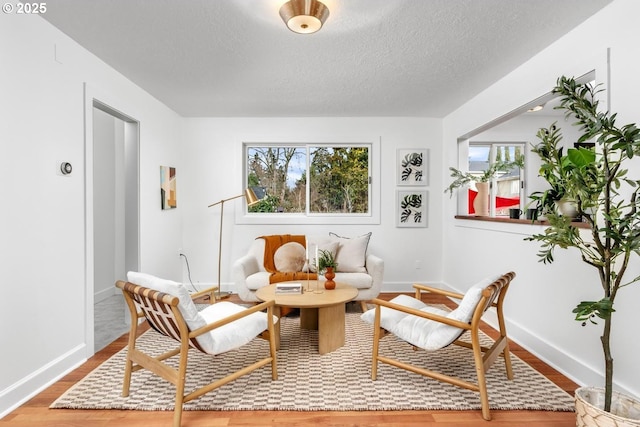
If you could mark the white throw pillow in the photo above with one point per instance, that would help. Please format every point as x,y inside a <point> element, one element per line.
<point>390,317</point>
<point>425,333</point>
<point>289,257</point>
<point>186,305</point>
<point>232,335</point>
<point>352,253</point>
<point>444,335</point>
<point>315,244</point>
<point>466,307</point>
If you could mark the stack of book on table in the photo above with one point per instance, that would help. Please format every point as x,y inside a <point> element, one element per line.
<point>288,288</point>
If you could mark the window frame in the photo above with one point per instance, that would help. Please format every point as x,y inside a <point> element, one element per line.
<point>242,216</point>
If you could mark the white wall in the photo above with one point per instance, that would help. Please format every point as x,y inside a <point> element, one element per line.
<point>45,328</point>
<point>108,249</point>
<point>542,296</point>
<point>214,172</point>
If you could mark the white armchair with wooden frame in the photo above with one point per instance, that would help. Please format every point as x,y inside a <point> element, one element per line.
<point>433,329</point>
<point>219,328</point>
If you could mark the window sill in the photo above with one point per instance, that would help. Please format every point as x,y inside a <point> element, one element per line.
<point>577,224</point>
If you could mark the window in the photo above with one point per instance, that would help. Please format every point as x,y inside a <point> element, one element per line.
<point>339,177</point>
<point>506,188</point>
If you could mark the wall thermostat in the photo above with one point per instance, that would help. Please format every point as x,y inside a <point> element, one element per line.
<point>65,168</point>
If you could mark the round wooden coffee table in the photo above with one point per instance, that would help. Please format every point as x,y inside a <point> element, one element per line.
<point>322,311</point>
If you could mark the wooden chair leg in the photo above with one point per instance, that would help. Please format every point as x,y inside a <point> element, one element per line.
<point>364,306</point>
<point>272,342</point>
<point>133,332</point>
<point>505,351</point>
<point>484,396</point>
<point>376,345</point>
<point>177,412</point>
<point>180,382</point>
<point>127,378</point>
<point>507,361</point>
<point>128,366</point>
<point>480,374</point>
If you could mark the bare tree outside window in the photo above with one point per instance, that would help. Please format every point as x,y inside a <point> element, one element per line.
<point>338,177</point>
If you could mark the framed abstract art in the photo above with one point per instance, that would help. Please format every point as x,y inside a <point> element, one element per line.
<point>168,187</point>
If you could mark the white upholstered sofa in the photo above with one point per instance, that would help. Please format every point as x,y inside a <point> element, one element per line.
<point>356,267</point>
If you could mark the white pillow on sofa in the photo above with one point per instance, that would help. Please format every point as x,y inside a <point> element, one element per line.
<point>352,253</point>
<point>325,243</point>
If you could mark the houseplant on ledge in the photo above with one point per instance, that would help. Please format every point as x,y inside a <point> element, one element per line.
<point>482,180</point>
<point>606,197</point>
<point>326,266</point>
<point>556,169</point>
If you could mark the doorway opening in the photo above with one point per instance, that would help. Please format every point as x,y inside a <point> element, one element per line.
<point>112,218</point>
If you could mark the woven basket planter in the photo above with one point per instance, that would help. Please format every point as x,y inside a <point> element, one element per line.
<point>625,411</point>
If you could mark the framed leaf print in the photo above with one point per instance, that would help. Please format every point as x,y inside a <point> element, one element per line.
<point>411,208</point>
<point>412,166</point>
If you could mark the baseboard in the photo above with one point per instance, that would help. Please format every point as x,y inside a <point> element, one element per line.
<point>393,287</point>
<point>20,392</point>
<point>105,294</point>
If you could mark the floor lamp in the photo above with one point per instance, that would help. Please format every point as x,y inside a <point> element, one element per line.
<point>252,199</point>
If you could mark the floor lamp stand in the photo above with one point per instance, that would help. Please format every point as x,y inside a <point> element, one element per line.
<point>251,199</point>
<point>219,294</point>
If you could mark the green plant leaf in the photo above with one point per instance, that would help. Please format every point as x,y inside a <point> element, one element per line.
<point>581,157</point>
<point>588,310</point>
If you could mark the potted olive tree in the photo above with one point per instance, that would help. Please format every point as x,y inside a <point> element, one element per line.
<point>605,194</point>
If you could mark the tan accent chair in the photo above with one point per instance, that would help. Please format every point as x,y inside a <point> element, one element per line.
<point>226,326</point>
<point>433,329</point>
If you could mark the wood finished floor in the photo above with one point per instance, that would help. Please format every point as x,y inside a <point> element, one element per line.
<point>36,411</point>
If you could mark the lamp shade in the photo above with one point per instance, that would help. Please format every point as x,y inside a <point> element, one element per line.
<point>304,16</point>
<point>251,197</point>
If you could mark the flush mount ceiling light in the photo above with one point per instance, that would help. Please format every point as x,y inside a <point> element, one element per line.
<point>304,16</point>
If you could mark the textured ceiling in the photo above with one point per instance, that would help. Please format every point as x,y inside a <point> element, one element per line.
<point>233,58</point>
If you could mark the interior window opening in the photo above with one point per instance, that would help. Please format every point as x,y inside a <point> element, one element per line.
<point>505,189</point>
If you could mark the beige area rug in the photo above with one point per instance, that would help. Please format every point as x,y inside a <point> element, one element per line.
<point>307,381</point>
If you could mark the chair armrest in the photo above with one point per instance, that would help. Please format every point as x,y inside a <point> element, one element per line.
<point>248,265</point>
<point>418,287</point>
<point>243,268</point>
<point>375,268</point>
<point>208,291</point>
<point>267,305</point>
<point>424,314</point>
